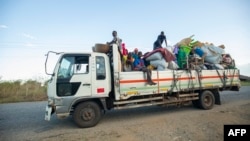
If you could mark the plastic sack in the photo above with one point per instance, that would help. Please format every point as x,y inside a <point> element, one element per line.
<point>155,56</point>
<point>181,58</point>
<point>161,68</point>
<point>212,50</point>
<point>172,65</point>
<point>159,63</point>
<point>216,59</point>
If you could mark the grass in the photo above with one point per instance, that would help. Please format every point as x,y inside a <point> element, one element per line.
<point>18,91</point>
<point>245,83</point>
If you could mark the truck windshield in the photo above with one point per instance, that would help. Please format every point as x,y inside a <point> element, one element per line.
<point>66,67</point>
<point>73,65</point>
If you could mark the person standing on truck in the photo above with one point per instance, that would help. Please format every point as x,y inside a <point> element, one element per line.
<point>118,41</point>
<point>139,65</point>
<point>159,41</point>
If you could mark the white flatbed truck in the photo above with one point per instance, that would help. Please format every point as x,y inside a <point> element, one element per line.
<point>85,84</point>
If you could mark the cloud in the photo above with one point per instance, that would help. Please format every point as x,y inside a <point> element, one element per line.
<point>28,36</point>
<point>29,44</point>
<point>244,69</point>
<point>3,26</point>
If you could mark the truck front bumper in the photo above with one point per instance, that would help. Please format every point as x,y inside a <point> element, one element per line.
<point>48,113</point>
<point>50,109</point>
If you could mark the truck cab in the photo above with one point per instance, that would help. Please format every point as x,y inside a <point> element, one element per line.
<point>77,77</point>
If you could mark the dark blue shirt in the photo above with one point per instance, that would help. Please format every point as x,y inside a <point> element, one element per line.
<point>161,38</point>
<point>159,41</point>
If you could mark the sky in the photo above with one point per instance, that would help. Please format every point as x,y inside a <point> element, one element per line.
<point>31,28</point>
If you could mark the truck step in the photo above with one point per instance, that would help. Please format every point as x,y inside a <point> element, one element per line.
<point>159,100</point>
<point>188,95</point>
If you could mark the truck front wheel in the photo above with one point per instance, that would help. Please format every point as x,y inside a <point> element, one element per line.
<point>206,100</point>
<point>87,114</point>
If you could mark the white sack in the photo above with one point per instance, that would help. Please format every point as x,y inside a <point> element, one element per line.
<point>216,59</point>
<point>172,65</point>
<point>161,68</point>
<point>157,63</point>
<point>155,56</point>
<point>212,50</point>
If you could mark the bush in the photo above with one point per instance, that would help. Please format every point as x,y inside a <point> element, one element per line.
<point>16,91</point>
<point>245,83</point>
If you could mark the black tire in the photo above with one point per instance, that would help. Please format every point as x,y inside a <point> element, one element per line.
<point>206,100</point>
<point>87,114</point>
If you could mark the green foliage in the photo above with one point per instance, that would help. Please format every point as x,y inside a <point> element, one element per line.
<point>18,91</point>
<point>245,83</point>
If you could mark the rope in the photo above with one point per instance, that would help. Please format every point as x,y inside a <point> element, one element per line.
<point>174,83</point>
<point>198,72</point>
<point>223,80</point>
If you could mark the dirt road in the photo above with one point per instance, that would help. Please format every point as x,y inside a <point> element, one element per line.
<point>25,122</point>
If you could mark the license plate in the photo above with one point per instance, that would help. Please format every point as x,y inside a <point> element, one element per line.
<point>48,113</point>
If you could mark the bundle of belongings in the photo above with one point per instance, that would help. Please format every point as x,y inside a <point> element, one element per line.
<point>161,59</point>
<point>186,54</point>
<point>197,55</point>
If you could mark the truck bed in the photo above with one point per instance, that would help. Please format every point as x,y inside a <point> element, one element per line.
<point>131,84</point>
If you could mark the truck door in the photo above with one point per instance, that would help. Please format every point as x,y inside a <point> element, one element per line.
<point>101,85</point>
<point>73,76</point>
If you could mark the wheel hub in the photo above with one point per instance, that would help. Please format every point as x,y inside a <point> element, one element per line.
<point>207,100</point>
<point>87,114</point>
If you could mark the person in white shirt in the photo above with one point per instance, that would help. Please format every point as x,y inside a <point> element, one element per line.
<point>116,40</point>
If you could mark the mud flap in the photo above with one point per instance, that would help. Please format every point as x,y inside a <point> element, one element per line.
<point>217,98</point>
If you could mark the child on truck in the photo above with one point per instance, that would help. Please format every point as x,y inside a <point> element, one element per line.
<point>128,62</point>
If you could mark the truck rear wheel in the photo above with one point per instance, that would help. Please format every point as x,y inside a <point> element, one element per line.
<point>87,114</point>
<point>206,100</point>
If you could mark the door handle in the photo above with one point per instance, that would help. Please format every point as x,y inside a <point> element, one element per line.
<point>86,84</point>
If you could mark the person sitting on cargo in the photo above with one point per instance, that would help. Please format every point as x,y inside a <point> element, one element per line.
<point>135,53</point>
<point>139,65</point>
<point>159,41</point>
<point>147,63</point>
